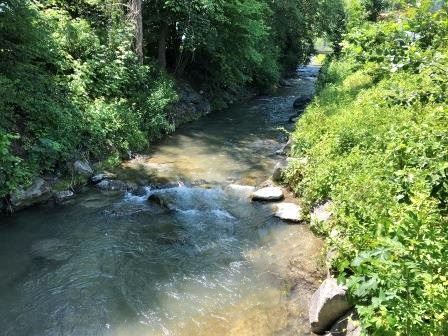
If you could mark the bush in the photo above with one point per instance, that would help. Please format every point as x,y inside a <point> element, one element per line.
<point>71,86</point>
<point>376,137</point>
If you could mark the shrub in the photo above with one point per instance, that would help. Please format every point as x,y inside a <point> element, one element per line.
<point>376,137</point>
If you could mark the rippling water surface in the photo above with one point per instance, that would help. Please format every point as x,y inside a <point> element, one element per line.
<point>211,264</point>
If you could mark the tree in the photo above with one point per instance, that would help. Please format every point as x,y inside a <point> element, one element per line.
<point>135,17</point>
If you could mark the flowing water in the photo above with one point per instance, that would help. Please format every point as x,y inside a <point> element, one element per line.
<point>214,264</point>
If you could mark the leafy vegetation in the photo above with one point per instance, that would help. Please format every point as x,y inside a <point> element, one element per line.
<point>96,78</point>
<point>72,87</point>
<point>376,139</point>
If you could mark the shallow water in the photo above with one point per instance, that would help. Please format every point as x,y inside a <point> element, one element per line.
<point>215,264</point>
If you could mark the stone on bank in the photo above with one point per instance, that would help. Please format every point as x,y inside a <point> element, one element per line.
<point>327,305</point>
<point>279,169</point>
<point>268,194</point>
<point>82,167</point>
<point>347,325</point>
<point>38,192</point>
<point>289,212</point>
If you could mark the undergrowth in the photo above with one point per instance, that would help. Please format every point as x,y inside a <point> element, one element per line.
<point>376,140</point>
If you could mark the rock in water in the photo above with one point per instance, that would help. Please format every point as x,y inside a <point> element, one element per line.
<point>327,305</point>
<point>38,192</point>
<point>242,191</point>
<point>286,148</point>
<point>116,185</point>
<point>101,177</point>
<point>289,212</point>
<point>62,196</point>
<point>162,201</point>
<point>302,101</point>
<point>83,168</point>
<point>50,249</point>
<point>268,194</point>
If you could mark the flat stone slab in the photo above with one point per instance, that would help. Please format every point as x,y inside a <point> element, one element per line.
<point>268,194</point>
<point>289,212</point>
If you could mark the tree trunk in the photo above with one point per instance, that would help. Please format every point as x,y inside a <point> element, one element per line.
<point>135,17</point>
<point>162,44</point>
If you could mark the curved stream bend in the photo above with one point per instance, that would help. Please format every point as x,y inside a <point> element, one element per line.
<point>211,264</point>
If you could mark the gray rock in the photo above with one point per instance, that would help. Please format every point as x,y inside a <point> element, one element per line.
<point>242,191</point>
<point>116,185</point>
<point>327,305</point>
<point>268,194</point>
<point>190,106</point>
<point>100,177</point>
<point>62,196</point>
<point>162,201</point>
<point>82,167</point>
<point>50,249</point>
<point>38,192</point>
<point>280,167</point>
<point>302,101</point>
<point>321,213</point>
<point>289,212</point>
<point>348,325</point>
<point>286,148</point>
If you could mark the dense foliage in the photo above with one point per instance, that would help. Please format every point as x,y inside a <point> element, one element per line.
<point>72,87</point>
<point>72,84</point>
<point>222,46</point>
<point>376,139</point>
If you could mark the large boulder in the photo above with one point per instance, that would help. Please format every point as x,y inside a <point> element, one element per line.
<point>347,325</point>
<point>268,194</point>
<point>82,167</point>
<point>38,192</point>
<point>327,305</point>
<point>289,212</point>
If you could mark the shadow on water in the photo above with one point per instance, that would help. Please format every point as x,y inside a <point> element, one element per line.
<point>205,262</point>
<point>236,145</point>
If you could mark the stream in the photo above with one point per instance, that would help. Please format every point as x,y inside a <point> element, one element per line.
<point>111,263</point>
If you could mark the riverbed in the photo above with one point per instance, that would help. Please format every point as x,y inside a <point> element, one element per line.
<point>111,263</point>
